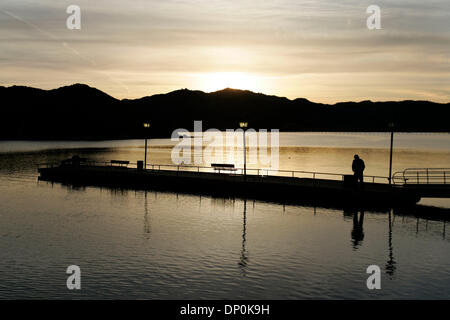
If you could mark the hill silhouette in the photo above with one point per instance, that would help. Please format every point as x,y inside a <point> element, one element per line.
<point>82,112</point>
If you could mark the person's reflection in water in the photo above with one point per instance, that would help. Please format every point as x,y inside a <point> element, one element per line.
<point>243,262</point>
<point>443,232</point>
<point>357,231</point>
<point>147,229</point>
<point>390,264</point>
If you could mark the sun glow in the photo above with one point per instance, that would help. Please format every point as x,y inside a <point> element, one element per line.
<point>236,80</point>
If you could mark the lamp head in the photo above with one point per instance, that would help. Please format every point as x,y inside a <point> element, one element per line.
<point>243,124</point>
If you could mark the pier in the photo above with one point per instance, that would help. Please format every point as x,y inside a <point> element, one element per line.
<point>265,184</point>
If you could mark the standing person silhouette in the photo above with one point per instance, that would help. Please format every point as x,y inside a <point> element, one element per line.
<point>358,167</point>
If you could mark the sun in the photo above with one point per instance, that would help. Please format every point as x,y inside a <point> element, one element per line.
<point>236,80</point>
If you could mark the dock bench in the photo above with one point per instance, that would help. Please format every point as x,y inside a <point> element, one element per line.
<point>223,167</point>
<point>120,163</point>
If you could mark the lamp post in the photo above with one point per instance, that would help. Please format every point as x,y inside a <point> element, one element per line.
<point>244,125</point>
<point>146,126</point>
<point>391,125</point>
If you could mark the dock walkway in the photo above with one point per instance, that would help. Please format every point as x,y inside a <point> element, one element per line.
<point>288,186</point>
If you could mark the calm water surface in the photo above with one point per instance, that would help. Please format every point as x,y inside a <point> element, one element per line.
<point>157,245</point>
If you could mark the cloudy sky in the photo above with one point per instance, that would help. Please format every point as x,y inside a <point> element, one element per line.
<point>321,50</point>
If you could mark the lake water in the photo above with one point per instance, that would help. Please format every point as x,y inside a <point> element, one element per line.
<point>160,245</point>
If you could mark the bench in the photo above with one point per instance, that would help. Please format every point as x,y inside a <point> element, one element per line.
<point>223,167</point>
<point>120,163</point>
<point>74,161</point>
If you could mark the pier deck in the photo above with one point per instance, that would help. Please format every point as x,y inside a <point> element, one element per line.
<point>288,188</point>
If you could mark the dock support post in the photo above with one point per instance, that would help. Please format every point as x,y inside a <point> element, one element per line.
<point>145,157</point>
<point>391,125</point>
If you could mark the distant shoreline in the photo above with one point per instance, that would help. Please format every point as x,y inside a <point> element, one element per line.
<point>100,139</point>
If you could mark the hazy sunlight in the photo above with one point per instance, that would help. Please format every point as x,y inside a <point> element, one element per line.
<point>237,80</point>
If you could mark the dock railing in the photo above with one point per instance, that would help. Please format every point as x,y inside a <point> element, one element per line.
<point>435,176</point>
<point>261,172</point>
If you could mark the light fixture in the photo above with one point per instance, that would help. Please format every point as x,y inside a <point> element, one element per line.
<point>244,125</point>
<point>146,125</point>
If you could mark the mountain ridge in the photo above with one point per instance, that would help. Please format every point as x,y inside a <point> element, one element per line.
<point>80,111</point>
<point>225,90</point>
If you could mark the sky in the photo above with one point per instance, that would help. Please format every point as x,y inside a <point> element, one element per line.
<point>321,50</point>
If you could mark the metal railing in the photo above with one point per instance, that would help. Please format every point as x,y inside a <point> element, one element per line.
<point>53,164</point>
<point>261,172</point>
<point>422,176</point>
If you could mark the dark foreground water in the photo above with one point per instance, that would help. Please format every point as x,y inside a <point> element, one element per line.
<point>156,245</point>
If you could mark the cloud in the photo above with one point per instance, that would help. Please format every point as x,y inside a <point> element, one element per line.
<point>138,47</point>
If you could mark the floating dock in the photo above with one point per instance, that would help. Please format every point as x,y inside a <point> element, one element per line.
<point>287,187</point>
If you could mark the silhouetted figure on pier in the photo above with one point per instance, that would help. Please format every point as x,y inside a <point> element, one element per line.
<point>358,167</point>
